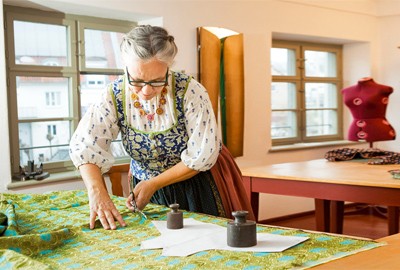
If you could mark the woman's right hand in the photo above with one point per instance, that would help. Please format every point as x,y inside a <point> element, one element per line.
<point>100,203</point>
<point>102,206</point>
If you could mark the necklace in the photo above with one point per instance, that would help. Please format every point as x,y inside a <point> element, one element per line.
<point>142,111</point>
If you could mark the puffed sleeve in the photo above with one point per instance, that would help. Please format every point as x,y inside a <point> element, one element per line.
<point>204,142</point>
<point>91,140</point>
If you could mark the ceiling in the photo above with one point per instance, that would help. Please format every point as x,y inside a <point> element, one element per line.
<point>87,7</point>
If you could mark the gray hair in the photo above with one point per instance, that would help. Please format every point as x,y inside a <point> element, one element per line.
<point>146,42</point>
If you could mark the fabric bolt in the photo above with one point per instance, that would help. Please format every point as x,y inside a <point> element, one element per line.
<point>376,156</point>
<point>3,223</point>
<point>367,101</point>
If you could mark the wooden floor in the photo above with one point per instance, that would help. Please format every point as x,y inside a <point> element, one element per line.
<point>363,222</point>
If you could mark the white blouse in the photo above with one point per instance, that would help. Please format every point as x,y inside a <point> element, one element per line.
<point>99,126</point>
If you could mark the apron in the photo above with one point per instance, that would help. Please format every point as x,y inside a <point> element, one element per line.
<point>154,152</point>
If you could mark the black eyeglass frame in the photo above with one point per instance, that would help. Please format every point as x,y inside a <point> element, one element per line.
<point>142,84</point>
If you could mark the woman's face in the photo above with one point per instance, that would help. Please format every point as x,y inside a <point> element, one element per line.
<point>147,72</point>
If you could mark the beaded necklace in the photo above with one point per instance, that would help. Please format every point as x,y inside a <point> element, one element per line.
<point>142,111</point>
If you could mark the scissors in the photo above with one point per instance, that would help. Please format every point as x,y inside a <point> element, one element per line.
<point>135,207</point>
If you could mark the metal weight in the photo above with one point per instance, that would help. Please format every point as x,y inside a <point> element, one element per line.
<point>241,233</point>
<point>175,217</point>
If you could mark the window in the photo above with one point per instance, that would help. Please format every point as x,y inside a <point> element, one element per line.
<point>57,65</point>
<point>52,129</point>
<point>53,98</point>
<point>305,92</point>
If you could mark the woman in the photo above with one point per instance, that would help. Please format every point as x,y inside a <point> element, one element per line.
<point>168,128</point>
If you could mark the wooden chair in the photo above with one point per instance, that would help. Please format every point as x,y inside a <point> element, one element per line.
<point>115,175</point>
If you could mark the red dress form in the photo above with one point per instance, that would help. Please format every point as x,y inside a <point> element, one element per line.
<point>367,102</point>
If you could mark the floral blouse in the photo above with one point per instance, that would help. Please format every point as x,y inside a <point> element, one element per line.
<point>186,130</point>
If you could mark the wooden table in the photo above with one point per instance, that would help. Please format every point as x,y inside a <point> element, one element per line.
<point>384,257</point>
<point>326,182</point>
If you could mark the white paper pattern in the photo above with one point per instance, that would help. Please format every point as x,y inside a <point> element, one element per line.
<point>196,236</point>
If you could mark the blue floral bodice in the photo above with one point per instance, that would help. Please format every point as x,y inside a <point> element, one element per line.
<point>153,152</point>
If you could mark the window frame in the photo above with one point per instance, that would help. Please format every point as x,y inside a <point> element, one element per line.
<point>75,25</point>
<point>300,79</point>
<point>89,23</point>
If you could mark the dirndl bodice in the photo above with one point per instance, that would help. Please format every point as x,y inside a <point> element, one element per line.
<point>153,152</point>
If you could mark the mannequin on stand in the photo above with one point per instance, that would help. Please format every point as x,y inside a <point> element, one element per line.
<point>367,101</point>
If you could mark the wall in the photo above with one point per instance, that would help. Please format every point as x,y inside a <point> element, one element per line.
<point>5,172</point>
<point>389,71</point>
<point>366,37</point>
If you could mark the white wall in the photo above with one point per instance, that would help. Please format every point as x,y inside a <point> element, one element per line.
<point>389,71</point>
<point>5,166</point>
<point>370,50</point>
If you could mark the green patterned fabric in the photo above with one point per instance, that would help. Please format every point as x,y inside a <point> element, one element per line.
<point>50,231</point>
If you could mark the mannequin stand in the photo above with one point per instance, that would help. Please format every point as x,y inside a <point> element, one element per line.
<point>365,209</point>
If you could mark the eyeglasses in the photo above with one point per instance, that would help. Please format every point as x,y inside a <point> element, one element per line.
<point>141,84</point>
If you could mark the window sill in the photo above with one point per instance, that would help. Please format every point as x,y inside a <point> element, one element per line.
<point>53,178</point>
<point>300,146</point>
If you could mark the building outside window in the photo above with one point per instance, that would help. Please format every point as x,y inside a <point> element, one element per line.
<point>305,92</point>
<point>58,66</point>
<point>53,98</point>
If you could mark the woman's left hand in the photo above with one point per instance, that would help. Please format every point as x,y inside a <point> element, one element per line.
<point>143,191</point>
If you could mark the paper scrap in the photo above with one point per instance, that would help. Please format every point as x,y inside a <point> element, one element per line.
<point>196,236</point>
